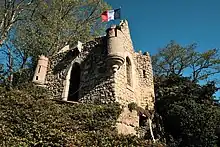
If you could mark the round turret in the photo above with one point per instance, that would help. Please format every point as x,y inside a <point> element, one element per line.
<point>115,48</point>
<point>41,70</point>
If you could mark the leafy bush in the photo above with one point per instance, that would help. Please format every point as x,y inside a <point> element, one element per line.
<point>189,116</point>
<point>29,118</point>
<point>192,124</point>
<point>23,76</point>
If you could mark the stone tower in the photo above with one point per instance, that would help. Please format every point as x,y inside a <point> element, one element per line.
<point>104,70</point>
<point>41,71</point>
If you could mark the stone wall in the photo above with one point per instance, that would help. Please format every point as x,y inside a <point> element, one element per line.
<point>141,90</point>
<point>57,71</point>
<point>95,82</point>
<point>98,85</point>
<point>145,81</point>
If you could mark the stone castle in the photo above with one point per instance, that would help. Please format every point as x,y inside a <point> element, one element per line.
<point>104,70</point>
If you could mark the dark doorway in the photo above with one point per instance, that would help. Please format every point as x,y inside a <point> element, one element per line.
<point>142,120</point>
<point>74,83</point>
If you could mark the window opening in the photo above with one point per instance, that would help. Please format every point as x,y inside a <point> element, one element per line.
<point>39,69</point>
<point>128,71</point>
<point>144,73</point>
<point>74,83</point>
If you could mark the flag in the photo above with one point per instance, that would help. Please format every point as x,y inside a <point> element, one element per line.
<point>111,15</point>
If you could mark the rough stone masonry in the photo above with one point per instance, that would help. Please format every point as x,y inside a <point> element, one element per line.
<point>104,70</point>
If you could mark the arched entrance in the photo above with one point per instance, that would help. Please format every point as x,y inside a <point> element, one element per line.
<point>74,83</point>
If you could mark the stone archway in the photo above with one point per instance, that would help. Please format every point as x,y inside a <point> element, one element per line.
<point>74,85</point>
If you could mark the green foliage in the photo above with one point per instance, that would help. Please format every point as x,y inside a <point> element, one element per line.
<point>172,59</point>
<point>22,77</point>
<point>53,25</point>
<point>10,13</point>
<point>192,124</point>
<point>190,117</point>
<point>175,59</point>
<point>37,27</point>
<point>29,118</point>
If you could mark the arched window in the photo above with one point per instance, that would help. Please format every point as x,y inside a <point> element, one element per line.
<point>128,71</point>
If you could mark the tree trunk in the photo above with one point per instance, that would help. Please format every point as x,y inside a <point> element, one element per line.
<point>10,66</point>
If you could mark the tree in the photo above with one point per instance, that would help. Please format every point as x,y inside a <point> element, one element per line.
<point>189,111</point>
<point>175,59</point>
<point>205,64</point>
<point>11,12</point>
<point>45,27</point>
<point>190,117</point>
<point>58,23</point>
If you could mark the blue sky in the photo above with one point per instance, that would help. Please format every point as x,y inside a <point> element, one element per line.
<point>153,23</point>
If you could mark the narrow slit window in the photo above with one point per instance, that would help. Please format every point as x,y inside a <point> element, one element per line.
<point>36,77</point>
<point>128,71</point>
<point>39,69</point>
<point>144,73</point>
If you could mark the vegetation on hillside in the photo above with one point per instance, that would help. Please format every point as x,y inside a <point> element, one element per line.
<point>190,111</point>
<point>187,114</point>
<point>29,118</point>
<point>191,116</point>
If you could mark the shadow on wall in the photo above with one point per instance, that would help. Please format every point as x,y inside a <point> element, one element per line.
<point>65,61</point>
<point>90,78</point>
